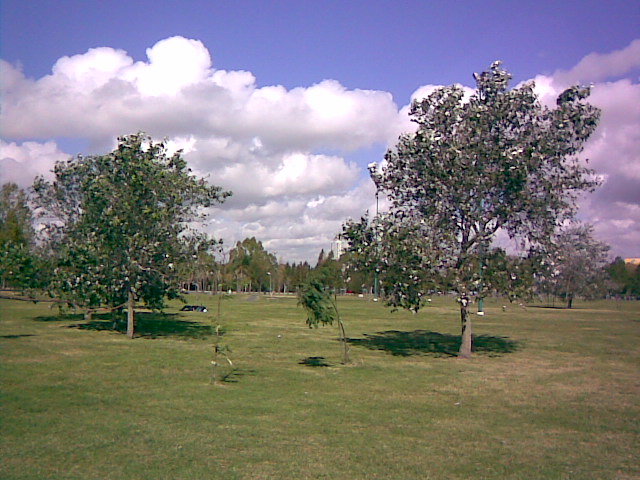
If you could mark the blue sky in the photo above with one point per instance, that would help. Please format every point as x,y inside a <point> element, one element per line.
<point>325,55</point>
<point>382,45</point>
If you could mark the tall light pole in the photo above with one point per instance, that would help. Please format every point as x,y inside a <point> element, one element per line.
<point>376,177</point>
<point>481,286</point>
<point>481,274</point>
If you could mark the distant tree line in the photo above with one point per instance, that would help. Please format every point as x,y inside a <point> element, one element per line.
<point>624,278</point>
<point>577,267</point>
<point>31,261</point>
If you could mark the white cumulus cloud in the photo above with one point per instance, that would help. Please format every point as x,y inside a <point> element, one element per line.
<point>614,149</point>
<point>21,163</point>
<point>266,144</point>
<point>285,153</point>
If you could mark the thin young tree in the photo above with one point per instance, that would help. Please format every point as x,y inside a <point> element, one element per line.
<point>322,309</point>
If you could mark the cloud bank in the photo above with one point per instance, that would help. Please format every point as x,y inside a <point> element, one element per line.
<point>287,155</point>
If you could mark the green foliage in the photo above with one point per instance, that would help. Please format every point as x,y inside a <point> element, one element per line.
<point>15,216</point>
<point>322,309</point>
<point>201,268</point>
<point>23,268</point>
<point>317,301</point>
<point>619,274</point>
<point>497,161</point>
<point>625,277</point>
<point>252,265</point>
<point>20,266</point>
<point>576,264</point>
<point>119,223</point>
<point>330,272</point>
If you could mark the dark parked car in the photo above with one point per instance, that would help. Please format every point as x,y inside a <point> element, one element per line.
<point>194,308</point>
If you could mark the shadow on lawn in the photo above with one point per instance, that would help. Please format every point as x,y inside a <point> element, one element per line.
<point>552,307</point>
<point>150,325</point>
<point>314,362</point>
<point>66,317</point>
<point>235,374</point>
<point>424,342</point>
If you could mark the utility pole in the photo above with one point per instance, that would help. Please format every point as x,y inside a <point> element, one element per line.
<point>481,286</point>
<point>375,176</point>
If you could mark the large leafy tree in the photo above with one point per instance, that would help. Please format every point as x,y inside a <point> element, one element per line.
<point>625,277</point>
<point>15,216</point>
<point>497,161</point>
<point>120,223</point>
<point>577,264</point>
<point>20,264</point>
<point>252,264</point>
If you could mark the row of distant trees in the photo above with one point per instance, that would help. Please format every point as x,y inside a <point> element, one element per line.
<point>577,266</point>
<point>624,278</point>
<point>38,261</point>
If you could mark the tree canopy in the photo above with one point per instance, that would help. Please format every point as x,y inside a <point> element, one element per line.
<point>252,264</point>
<point>19,268</point>
<point>120,221</point>
<point>498,161</point>
<point>576,264</point>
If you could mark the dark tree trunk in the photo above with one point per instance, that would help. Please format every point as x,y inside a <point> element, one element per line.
<point>569,301</point>
<point>465,319</point>
<point>130,316</point>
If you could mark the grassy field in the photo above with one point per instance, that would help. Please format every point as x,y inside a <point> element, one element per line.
<point>549,394</point>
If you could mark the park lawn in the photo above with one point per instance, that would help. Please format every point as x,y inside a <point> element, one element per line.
<point>550,393</point>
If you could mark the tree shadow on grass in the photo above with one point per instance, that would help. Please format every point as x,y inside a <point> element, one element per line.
<point>424,342</point>
<point>314,362</point>
<point>150,325</point>
<point>235,374</point>
<point>66,317</point>
<point>552,307</point>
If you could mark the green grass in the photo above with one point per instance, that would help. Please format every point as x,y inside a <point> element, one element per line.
<point>550,393</point>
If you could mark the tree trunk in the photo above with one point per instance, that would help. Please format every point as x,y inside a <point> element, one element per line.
<point>569,301</point>
<point>130,315</point>
<point>343,333</point>
<point>465,345</point>
<point>345,346</point>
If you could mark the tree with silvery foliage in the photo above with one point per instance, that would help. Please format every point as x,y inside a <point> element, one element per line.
<point>498,161</point>
<point>576,264</point>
